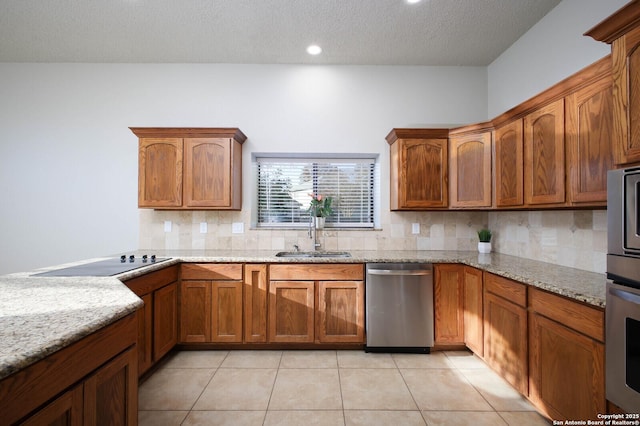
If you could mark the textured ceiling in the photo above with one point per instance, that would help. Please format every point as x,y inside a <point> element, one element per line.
<point>375,32</point>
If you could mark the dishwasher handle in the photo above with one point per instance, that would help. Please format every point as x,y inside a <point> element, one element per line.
<point>399,272</point>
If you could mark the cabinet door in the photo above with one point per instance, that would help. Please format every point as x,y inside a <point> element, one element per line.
<point>160,172</point>
<point>505,341</point>
<point>165,321</point>
<point>255,303</point>
<point>509,165</point>
<point>340,311</point>
<point>195,311</point>
<point>473,319</point>
<point>470,170</point>
<point>589,142</point>
<point>111,393</point>
<point>544,167</point>
<point>227,311</point>
<point>422,173</point>
<point>207,180</point>
<point>145,334</point>
<point>448,304</point>
<point>626,97</point>
<point>291,311</point>
<point>567,371</point>
<point>66,410</point>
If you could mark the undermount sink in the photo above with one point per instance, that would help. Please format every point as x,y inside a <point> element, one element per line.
<point>313,254</point>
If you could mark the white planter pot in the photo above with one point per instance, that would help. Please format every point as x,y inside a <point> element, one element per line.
<point>484,247</point>
<point>319,222</point>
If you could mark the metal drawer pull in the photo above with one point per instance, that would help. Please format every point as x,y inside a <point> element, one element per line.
<point>415,272</point>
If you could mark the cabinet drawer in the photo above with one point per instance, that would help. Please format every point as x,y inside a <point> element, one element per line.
<point>152,281</point>
<point>211,271</point>
<point>582,318</point>
<point>513,291</point>
<point>316,272</point>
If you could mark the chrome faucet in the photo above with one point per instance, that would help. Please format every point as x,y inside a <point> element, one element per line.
<point>313,233</point>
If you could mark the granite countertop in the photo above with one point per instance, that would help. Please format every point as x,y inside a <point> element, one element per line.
<point>41,315</point>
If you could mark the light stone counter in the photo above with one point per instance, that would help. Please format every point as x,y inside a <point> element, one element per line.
<point>41,315</point>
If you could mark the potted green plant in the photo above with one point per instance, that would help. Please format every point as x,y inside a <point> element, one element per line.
<point>484,237</point>
<point>320,209</point>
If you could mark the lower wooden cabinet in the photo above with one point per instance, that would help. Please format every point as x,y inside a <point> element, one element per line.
<point>449,304</point>
<point>566,358</point>
<point>505,330</point>
<point>340,312</point>
<point>255,303</point>
<point>157,319</point>
<point>316,303</point>
<point>211,303</point>
<point>473,310</point>
<point>291,311</point>
<point>94,381</point>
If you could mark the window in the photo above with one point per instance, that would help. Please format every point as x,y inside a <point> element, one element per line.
<point>286,182</point>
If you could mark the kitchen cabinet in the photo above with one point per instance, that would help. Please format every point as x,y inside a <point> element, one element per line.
<point>157,319</point>
<point>589,121</point>
<point>505,329</point>
<point>419,169</point>
<point>473,310</point>
<point>470,168</point>
<point>321,303</point>
<point>622,31</point>
<point>211,303</point>
<point>255,303</point>
<point>449,304</point>
<point>92,381</point>
<point>566,357</point>
<point>191,168</point>
<point>509,164</point>
<point>544,159</point>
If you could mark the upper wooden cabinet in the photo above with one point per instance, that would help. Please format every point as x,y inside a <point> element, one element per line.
<point>470,169</point>
<point>419,172</point>
<point>544,166</point>
<point>622,31</point>
<point>588,135</point>
<point>190,168</point>
<point>509,164</point>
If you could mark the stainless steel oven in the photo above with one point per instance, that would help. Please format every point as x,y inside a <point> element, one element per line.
<point>622,319</point>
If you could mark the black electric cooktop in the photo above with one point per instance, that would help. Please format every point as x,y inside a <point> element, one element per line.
<point>105,268</point>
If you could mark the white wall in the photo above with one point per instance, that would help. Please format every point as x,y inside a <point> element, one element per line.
<point>549,52</point>
<point>68,163</point>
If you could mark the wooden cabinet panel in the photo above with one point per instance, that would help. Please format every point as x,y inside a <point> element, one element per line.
<point>544,160</point>
<point>207,174</point>
<point>195,311</point>
<point>255,303</point>
<point>145,334</point>
<point>291,311</point>
<point>513,291</point>
<point>317,272</point>
<point>227,311</point>
<point>505,340</point>
<point>470,170</point>
<point>111,393</point>
<point>589,121</point>
<point>165,321</point>
<point>340,312</point>
<point>211,271</point>
<point>66,410</point>
<point>509,164</point>
<point>419,169</point>
<point>567,371</point>
<point>473,310</point>
<point>160,172</point>
<point>449,304</point>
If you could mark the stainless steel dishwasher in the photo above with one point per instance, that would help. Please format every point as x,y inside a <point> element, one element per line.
<point>399,307</point>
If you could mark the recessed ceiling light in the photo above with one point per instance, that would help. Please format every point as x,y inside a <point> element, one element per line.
<point>413,1</point>
<point>314,49</point>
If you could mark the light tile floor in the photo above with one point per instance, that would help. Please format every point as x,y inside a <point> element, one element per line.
<point>330,388</point>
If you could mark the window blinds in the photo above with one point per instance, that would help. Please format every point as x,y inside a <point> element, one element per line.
<point>285,185</point>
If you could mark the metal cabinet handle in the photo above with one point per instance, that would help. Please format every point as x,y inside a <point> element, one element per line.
<point>625,295</point>
<point>410,272</point>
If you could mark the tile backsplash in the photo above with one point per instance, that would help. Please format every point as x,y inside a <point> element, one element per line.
<point>569,238</point>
